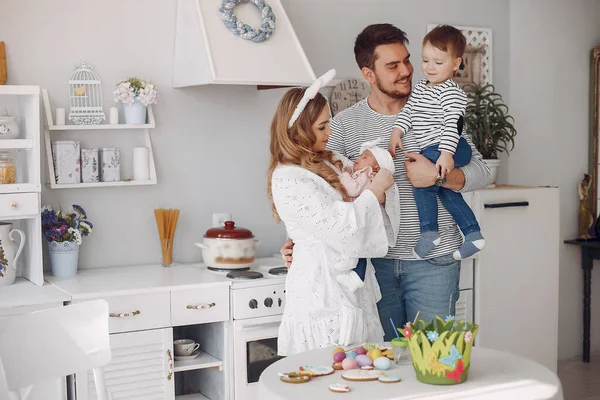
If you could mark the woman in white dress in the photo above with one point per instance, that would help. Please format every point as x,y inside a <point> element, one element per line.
<point>308,197</point>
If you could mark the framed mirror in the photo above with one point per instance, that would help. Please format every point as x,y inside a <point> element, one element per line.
<point>594,165</point>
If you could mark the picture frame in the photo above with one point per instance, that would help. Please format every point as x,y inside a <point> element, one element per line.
<point>470,68</point>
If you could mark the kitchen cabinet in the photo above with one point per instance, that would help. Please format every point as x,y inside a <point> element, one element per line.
<point>20,203</point>
<point>149,307</point>
<point>516,275</point>
<point>84,133</point>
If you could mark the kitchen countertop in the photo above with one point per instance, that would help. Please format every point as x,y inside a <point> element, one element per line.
<point>25,293</point>
<point>115,281</point>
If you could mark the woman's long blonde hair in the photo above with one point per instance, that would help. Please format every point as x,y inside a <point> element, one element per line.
<point>293,146</point>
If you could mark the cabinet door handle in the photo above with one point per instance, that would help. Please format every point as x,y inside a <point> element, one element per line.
<point>14,205</point>
<point>170,374</point>
<point>200,306</point>
<point>125,315</point>
<point>506,205</point>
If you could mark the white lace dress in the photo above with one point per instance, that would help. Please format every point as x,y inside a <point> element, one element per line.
<point>319,312</point>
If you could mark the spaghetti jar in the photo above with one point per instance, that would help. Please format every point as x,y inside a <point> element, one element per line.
<point>8,169</point>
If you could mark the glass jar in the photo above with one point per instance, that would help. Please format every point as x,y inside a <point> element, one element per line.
<point>9,128</point>
<point>8,169</point>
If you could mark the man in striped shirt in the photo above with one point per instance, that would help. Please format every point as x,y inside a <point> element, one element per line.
<point>407,285</point>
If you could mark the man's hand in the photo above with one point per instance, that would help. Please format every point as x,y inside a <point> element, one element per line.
<point>420,171</point>
<point>286,252</point>
<point>445,163</point>
<point>395,141</point>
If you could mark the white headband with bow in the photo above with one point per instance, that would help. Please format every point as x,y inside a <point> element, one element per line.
<point>310,94</point>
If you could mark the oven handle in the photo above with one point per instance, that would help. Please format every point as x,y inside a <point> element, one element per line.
<point>250,326</point>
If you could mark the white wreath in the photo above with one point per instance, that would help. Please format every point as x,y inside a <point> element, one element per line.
<point>246,31</point>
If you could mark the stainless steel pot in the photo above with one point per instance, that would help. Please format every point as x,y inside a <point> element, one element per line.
<point>228,247</point>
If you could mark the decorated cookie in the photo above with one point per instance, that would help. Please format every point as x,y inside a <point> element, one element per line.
<point>367,367</point>
<point>339,388</point>
<point>337,366</point>
<point>316,370</point>
<point>293,377</point>
<point>389,379</point>
<point>361,375</point>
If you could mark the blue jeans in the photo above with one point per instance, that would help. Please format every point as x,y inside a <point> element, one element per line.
<point>361,268</point>
<point>455,204</point>
<point>407,286</point>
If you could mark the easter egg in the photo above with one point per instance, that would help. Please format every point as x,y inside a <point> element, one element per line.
<point>339,356</point>
<point>368,346</point>
<point>360,350</point>
<point>337,350</point>
<point>363,360</point>
<point>368,354</point>
<point>351,354</point>
<point>375,354</point>
<point>383,363</point>
<point>349,363</point>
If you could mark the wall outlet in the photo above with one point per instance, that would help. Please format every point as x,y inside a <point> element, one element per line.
<point>220,218</point>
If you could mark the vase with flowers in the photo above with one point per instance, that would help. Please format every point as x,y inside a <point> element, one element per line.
<point>136,94</point>
<point>64,231</point>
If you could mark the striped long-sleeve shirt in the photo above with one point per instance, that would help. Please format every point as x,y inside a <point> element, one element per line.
<point>359,124</point>
<point>431,114</point>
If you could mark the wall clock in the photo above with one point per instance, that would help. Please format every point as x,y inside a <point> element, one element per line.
<point>347,93</point>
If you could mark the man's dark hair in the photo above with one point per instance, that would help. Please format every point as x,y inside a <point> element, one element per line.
<point>373,36</point>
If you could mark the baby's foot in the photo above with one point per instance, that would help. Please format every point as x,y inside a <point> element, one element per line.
<point>473,244</point>
<point>351,281</point>
<point>426,243</point>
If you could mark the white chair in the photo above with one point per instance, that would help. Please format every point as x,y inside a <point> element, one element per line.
<point>53,343</point>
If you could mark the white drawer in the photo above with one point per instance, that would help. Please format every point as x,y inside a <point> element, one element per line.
<point>19,204</point>
<point>137,312</point>
<point>196,306</point>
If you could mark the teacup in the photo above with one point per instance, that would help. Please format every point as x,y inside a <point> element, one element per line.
<point>185,347</point>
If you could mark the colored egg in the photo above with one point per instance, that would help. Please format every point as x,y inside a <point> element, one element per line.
<point>360,350</point>
<point>368,346</point>
<point>349,363</point>
<point>368,354</point>
<point>351,354</point>
<point>337,350</point>
<point>383,363</point>
<point>375,354</point>
<point>363,360</point>
<point>339,356</point>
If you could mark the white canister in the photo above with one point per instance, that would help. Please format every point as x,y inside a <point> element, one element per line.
<point>114,116</point>
<point>60,116</point>
<point>67,163</point>
<point>110,159</point>
<point>90,165</point>
<point>141,166</point>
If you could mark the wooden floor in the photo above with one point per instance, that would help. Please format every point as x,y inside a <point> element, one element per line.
<point>580,381</point>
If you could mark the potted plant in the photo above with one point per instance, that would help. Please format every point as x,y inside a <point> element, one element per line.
<point>135,94</point>
<point>64,232</point>
<point>489,124</point>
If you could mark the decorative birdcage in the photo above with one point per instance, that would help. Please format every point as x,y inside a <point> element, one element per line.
<point>85,96</point>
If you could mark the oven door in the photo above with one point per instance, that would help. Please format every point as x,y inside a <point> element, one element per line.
<point>254,349</point>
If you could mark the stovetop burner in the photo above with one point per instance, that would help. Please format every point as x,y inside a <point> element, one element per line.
<point>227,269</point>
<point>278,271</point>
<point>244,275</point>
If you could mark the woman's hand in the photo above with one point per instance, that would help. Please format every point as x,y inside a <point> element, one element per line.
<point>382,181</point>
<point>286,252</point>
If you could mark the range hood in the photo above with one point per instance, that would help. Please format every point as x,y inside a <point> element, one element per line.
<point>207,52</point>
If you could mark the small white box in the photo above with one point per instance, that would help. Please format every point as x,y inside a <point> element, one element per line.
<point>90,165</point>
<point>67,161</point>
<point>110,159</point>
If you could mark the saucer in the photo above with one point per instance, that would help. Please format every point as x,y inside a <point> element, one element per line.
<point>190,357</point>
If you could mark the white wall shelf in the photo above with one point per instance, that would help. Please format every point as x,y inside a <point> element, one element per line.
<point>101,127</point>
<point>194,396</point>
<point>20,203</point>
<point>202,361</point>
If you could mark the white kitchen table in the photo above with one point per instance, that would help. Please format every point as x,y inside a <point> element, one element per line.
<point>494,375</point>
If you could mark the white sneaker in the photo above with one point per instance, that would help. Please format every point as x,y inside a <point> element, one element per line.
<point>350,280</point>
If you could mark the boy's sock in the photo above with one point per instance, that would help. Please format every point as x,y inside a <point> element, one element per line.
<point>426,243</point>
<point>350,280</point>
<point>473,244</point>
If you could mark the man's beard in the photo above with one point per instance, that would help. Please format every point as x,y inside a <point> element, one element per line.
<point>395,94</point>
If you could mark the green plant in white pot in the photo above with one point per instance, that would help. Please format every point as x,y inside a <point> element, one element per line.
<point>489,124</point>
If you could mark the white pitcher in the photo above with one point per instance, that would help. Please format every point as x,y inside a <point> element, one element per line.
<point>9,253</point>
